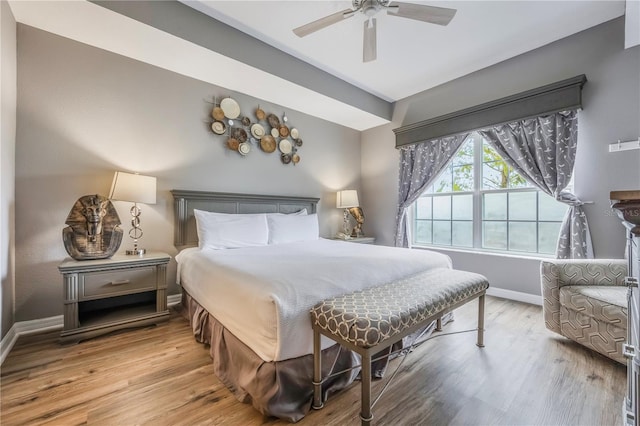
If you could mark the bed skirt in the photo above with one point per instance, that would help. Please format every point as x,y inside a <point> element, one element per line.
<point>279,388</point>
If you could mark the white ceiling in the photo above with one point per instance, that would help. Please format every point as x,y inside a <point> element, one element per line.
<point>412,56</point>
<point>97,26</point>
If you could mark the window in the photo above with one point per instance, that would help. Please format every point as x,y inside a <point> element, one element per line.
<point>478,201</point>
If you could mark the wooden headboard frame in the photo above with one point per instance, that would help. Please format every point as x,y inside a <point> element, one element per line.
<point>219,202</point>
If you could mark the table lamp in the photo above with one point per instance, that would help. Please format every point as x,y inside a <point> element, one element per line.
<point>134,188</point>
<point>346,199</point>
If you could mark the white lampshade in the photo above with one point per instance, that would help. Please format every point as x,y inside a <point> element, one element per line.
<point>347,199</point>
<point>133,188</point>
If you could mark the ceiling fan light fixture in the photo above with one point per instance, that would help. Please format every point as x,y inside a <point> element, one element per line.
<point>369,8</point>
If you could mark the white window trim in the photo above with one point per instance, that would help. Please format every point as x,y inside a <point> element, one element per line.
<point>478,220</point>
<point>487,252</point>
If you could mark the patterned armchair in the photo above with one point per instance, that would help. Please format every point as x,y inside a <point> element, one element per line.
<point>586,301</point>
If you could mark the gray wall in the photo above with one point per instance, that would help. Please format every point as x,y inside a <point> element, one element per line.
<point>84,113</point>
<point>187,23</point>
<point>8,62</point>
<point>611,111</point>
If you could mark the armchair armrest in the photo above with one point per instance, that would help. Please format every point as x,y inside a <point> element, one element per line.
<point>562,272</point>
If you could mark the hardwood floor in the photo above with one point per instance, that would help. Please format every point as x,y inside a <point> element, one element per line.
<point>162,376</point>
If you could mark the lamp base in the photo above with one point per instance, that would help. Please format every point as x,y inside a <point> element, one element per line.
<point>136,252</point>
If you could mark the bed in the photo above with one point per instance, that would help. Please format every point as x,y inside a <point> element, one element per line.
<point>251,303</point>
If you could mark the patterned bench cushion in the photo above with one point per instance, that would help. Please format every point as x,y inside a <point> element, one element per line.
<point>369,317</point>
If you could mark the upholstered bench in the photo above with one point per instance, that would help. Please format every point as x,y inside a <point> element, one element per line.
<point>371,320</point>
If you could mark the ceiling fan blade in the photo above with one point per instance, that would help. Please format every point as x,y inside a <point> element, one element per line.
<point>419,12</point>
<point>321,23</point>
<point>369,46</point>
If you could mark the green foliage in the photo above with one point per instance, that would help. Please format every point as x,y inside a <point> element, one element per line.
<point>458,176</point>
<point>505,177</point>
<point>463,178</point>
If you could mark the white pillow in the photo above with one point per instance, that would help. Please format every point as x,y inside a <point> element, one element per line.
<point>291,228</point>
<point>222,231</point>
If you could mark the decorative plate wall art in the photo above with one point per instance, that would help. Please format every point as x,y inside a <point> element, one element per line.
<point>263,131</point>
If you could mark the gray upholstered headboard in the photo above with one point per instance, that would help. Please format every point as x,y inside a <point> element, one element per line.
<point>185,201</point>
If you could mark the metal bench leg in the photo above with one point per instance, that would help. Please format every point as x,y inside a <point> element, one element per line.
<point>317,371</point>
<point>365,397</point>
<point>481,321</point>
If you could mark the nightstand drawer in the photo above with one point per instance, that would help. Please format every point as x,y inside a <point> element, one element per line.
<point>107,283</point>
<point>105,295</point>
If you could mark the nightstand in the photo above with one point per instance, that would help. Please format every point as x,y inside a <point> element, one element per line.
<point>105,295</point>
<point>359,240</point>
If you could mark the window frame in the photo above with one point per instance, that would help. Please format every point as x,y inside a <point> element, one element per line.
<point>478,210</point>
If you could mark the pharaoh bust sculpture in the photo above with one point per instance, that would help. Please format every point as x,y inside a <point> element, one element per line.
<point>93,230</point>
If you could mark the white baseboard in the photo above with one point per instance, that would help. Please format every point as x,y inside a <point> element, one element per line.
<point>23,328</point>
<point>174,299</point>
<point>7,343</point>
<point>41,325</point>
<point>515,295</point>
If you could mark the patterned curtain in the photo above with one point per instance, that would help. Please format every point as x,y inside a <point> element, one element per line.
<point>420,164</point>
<point>543,150</point>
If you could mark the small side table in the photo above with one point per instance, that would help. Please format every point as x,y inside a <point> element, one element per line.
<point>358,240</point>
<point>101,296</point>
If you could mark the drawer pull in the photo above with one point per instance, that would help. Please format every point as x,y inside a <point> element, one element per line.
<point>119,282</point>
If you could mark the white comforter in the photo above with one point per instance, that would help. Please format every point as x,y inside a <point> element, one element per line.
<point>263,294</point>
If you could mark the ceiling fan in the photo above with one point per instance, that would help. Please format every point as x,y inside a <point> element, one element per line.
<point>430,14</point>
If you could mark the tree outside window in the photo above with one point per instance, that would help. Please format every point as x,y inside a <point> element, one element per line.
<point>495,209</point>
